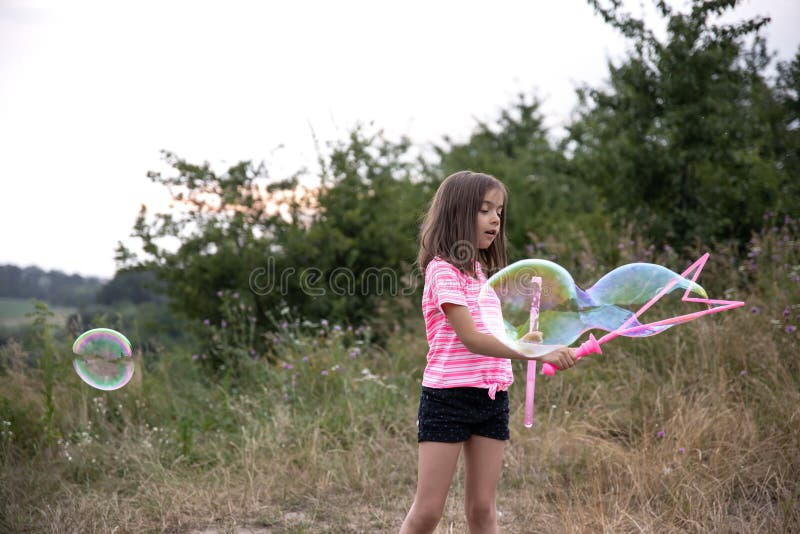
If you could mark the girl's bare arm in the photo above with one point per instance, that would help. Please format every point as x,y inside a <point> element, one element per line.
<point>487,345</point>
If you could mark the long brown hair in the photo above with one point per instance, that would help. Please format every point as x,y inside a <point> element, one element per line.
<point>449,228</point>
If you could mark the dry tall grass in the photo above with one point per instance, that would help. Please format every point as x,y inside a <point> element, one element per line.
<point>694,430</point>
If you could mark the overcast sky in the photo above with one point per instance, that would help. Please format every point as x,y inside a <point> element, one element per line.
<point>90,92</point>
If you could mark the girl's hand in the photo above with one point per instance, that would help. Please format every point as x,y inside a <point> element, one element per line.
<point>563,357</point>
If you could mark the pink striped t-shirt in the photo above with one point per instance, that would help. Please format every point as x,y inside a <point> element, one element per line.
<point>450,363</point>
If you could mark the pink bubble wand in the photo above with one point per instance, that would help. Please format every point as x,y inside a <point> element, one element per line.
<point>592,345</point>
<point>530,379</point>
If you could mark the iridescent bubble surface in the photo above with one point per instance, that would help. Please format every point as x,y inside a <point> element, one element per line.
<point>103,358</point>
<point>566,311</point>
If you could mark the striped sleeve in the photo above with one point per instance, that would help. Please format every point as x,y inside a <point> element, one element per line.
<point>446,286</point>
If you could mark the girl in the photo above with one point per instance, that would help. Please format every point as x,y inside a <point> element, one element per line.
<point>464,403</point>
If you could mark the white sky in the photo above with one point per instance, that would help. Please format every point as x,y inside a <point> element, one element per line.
<point>91,91</point>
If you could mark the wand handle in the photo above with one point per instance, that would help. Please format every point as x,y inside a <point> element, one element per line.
<point>590,346</point>
<point>530,378</point>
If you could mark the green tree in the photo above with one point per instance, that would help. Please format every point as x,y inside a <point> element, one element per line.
<point>786,126</point>
<point>544,199</point>
<point>681,140</point>
<point>331,250</point>
<point>361,239</point>
<point>217,232</point>
<point>134,286</point>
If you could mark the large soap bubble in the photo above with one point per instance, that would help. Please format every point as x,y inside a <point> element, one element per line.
<point>565,311</point>
<point>534,307</point>
<point>103,358</point>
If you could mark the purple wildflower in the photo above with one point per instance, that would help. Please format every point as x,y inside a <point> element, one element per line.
<point>354,352</point>
<point>796,278</point>
<point>529,248</point>
<point>206,322</point>
<point>660,434</point>
<point>219,293</point>
<point>223,323</point>
<point>324,372</point>
<point>324,323</point>
<point>790,329</point>
<point>236,295</point>
<point>305,358</point>
<point>195,356</point>
<point>786,312</point>
<point>743,372</point>
<point>754,309</point>
<point>681,450</point>
<point>287,366</point>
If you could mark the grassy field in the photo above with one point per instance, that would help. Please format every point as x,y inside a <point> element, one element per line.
<point>694,430</point>
<point>14,312</point>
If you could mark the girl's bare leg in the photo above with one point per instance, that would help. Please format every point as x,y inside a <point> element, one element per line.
<point>435,468</point>
<point>483,462</point>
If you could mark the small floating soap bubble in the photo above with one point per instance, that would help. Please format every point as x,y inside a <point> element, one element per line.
<point>103,358</point>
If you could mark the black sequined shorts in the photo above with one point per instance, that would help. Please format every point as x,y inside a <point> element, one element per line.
<point>453,415</point>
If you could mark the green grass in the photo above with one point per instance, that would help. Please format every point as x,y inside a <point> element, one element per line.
<point>13,312</point>
<point>14,307</point>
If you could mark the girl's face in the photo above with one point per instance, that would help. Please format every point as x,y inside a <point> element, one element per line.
<point>489,215</point>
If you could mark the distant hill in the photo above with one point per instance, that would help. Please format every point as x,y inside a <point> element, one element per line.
<point>128,297</point>
<point>53,287</point>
